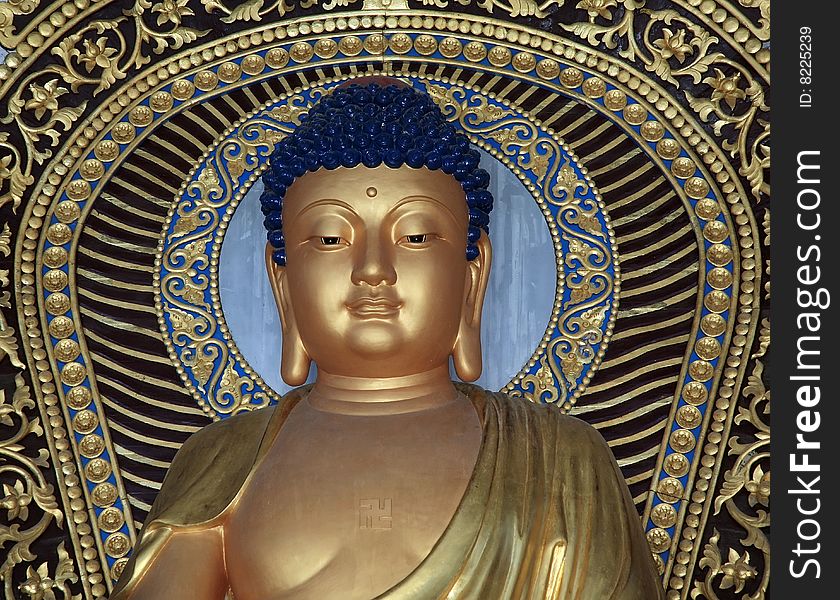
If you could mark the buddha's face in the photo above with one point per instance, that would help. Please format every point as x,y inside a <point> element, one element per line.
<point>376,283</point>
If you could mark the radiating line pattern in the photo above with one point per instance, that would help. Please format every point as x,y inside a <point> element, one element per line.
<point>149,412</point>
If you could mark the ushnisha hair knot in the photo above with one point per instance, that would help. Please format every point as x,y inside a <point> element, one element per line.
<point>374,124</point>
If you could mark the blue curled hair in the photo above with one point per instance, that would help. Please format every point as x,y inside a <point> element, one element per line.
<point>371,125</point>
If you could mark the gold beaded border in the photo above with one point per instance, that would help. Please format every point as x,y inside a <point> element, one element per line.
<point>733,192</point>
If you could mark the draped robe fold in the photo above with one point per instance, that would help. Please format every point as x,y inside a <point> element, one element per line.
<point>546,514</point>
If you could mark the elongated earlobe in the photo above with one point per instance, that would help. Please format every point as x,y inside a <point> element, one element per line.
<point>295,361</point>
<point>466,353</point>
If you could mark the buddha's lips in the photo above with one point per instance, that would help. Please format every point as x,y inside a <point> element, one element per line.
<point>374,307</point>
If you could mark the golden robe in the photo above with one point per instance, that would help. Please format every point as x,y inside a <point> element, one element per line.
<point>546,515</point>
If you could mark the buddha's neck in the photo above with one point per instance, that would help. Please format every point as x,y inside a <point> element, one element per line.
<point>382,395</point>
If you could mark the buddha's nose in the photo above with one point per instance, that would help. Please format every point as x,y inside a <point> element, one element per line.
<point>373,264</point>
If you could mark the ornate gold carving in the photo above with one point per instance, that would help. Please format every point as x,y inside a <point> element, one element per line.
<point>719,255</point>
<point>107,150</point>
<point>57,303</point>
<point>707,209</point>
<point>124,133</point>
<point>39,584</point>
<point>28,501</point>
<point>683,167</point>
<point>701,370</point>
<point>668,149</point>
<point>719,278</point>
<point>696,187</point>
<point>277,58</point>
<point>676,465</point>
<point>207,80</point>
<point>524,62</point>
<point>652,131</point>
<point>686,50</point>
<point>228,73</point>
<point>695,393</point>
<point>141,115</point>
<point>97,470</point>
<point>664,516</point>
<point>547,68</point>
<point>595,87</point>
<point>713,324</point>
<point>669,490</point>
<point>254,64</point>
<point>104,494</point>
<point>499,56</point>
<point>746,478</point>
<point>61,326</point>
<point>716,301</point>
<point>73,373</point>
<point>616,100</point>
<point>66,350</point>
<point>91,445</point>
<point>635,114</point>
<point>117,545</point>
<point>55,281</point>
<point>475,51</point>
<point>55,257</point>
<point>682,440</point>
<point>163,101</point>
<point>301,52</point>
<point>689,417</point>
<point>659,539</point>
<point>707,348</point>
<point>451,47</point>
<point>111,519</point>
<point>67,211</point>
<point>350,45</point>
<point>79,397</point>
<point>375,43</point>
<point>571,77</point>
<point>400,43</point>
<point>17,164</point>
<point>183,89</point>
<point>715,232</point>
<point>78,190</point>
<point>425,45</point>
<point>85,421</point>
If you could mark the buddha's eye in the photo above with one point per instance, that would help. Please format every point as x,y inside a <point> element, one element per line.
<point>416,239</point>
<point>330,240</point>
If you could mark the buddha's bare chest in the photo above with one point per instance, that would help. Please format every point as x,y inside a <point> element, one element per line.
<point>346,509</point>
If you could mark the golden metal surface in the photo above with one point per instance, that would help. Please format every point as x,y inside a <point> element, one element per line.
<point>497,501</point>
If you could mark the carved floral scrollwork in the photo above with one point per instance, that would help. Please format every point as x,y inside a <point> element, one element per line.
<point>255,10</point>
<point>27,500</point>
<point>41,107</point>
<point>587,256</point>
<point>748,480</point>
<point>193,321</point>
<point>8,11</point>
<point>675,48</point>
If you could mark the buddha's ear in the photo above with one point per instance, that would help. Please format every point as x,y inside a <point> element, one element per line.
<point>294,364</point>
<point>466,354</point>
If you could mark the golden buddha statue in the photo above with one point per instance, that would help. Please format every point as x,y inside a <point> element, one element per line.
<point>384,479</point>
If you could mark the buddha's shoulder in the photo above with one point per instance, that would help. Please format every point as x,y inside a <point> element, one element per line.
<point>212,465</point>
<point>209,469</point>
<point>557,429</point>
<point>246,428</point>
<point>245,424</point>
